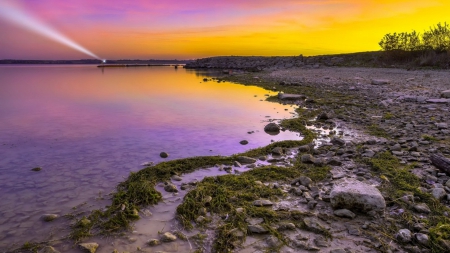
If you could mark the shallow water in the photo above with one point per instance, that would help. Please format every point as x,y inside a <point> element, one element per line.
<point>88,128</point>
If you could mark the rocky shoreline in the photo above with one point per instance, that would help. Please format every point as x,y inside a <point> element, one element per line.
<point>402,120</point>
<point>374,185</point>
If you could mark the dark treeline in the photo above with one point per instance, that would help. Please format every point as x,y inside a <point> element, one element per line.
<point>430,48</point>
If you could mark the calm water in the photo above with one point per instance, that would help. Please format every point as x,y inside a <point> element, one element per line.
<point>89,128</point>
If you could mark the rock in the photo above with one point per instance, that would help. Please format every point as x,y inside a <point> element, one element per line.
<point>305,181</point>
<point>170,188</point>
<point>344,213</point>
<point>90,247</point>
<point>237,164</point>
<point>48,249</point>
<point>258,229</point>
<point>312,204</point>
<point>163,155</point>
<point>177,178</point>
<point>272,128</point>
<point>272,241</point>
<point>307,158</point>
<point>422,208</point>
<point>243,142</point>
<point>404,235</point>
<point>438,193</point>
<point>304,148</point>
<point>438,100</point>
<point>324,116</point>
<point>379,81</point>
<point>445,244</point>
<point>334,161</point>
<point>200,219</point>
<point>262,202</point>
<point>153,242</point>
<point>445,94</point>
<point>305,245</point>
<point>313,225</point>
<point>356,195</point>
<point>49,217</point>
<point>286,226</point>
<point>36,169</point>
<point>236,232</point>
<point>168,237</point>
<point>337,141</point>
<point>447,183</point>
<point>338,251</point>
<point>245,159</point>
<point>319,241</point>
<point>254,221</point>
<point>277,151</point>
<point>442,125</point>
<point>422,239</point>
<point>284,96</point>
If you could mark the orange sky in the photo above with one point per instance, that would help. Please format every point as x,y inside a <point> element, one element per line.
<point>170,29</point>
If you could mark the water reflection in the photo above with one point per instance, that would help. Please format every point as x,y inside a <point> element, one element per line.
<point>89,128</point>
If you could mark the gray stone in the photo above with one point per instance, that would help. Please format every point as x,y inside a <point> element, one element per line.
<point>305,181</point>
<point>319,241</point>
<point>277,151</point>
<point>442,125</point>
<point>422,208</point>
<point>272,241</point>
<point>90,247</point>
<point>49,217</point>
<point>307,158</point>
<point>422,239</point>
<point>344,213</point>
<point>237,164</point>
<point>170,188</point>
<point>313,225</point>
<point>163,154</point>
<point>438,193</point>
<point>447,183</point>
<point>334,161</point>
<point>258,229</point>
<point>445,94</point>
<point>305,245</point>
<point>272,128</point>
<point>284,96</point>
<point>379,81</point>
<point>262,202</point>
<point>245,159</point>
<point>356,195</point>
<point>404,235</point>
<point>48,249</point>
<point>286,226</point>
<point>176,178</point>
<point>304,148</point>
<point>337,141</point>
<point>168,237</point>
<point>254,221</point>
<point>243,142</point>
<point>438,100</point>
<point>153,242</point>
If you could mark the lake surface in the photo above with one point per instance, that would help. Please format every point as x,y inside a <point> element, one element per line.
<point>88,128</point>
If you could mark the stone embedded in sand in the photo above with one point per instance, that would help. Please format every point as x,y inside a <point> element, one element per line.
<point>90,247</point>
<point>284,96</point>
<point>379,81</point>
<point>168,237</point>
<point>245,159</point>
<point>49,217</point>
<point>445,94</point>
<point>48,249</point>
<point>404,235</point>
<point>262,202</point>
<point>356,195</point>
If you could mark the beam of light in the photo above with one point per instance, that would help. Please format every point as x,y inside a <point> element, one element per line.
<point>18,17</point>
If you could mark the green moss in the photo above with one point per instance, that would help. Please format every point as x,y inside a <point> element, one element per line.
<point>230,192</point>
<point>388,115</point>
<point>376,130</point>
<point>429,138</point>
<point>398,182</point>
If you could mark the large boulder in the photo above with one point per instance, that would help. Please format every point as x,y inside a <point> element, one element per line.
<point>355,195</point>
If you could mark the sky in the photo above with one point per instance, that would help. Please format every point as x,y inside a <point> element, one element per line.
<point>189,29</point>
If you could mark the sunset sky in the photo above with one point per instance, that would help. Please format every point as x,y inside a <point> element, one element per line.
<point>174,29</point>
